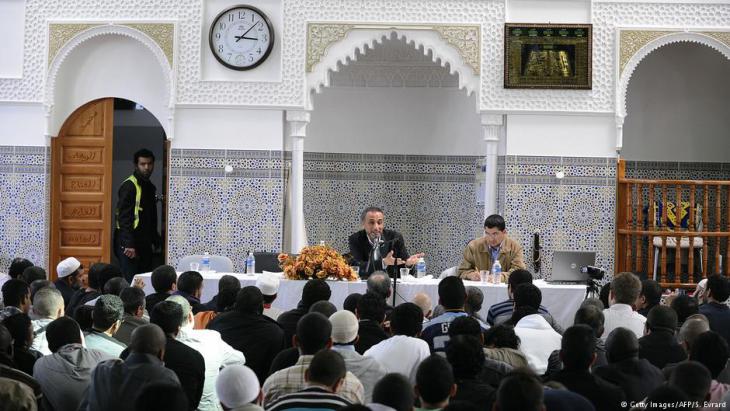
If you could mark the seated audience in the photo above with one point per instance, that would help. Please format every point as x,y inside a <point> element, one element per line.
<point>47,306</point>
<point>452,296</point>
<point>115,286</point>
<point>68,272</point>
<point>577,351</point>
<point>491,371</point>
<point>33,273</point>
<point>665,394</point>
<point>106,318</point>
<point>21,329</point>
<point>403,351</point>
<point>685,306</point>
<point>371,313</point>
<point>227,282</point>
<point>34,287</point>
<point>16,396</point>
<point>474,301</point>
<point>561,399</point>
<point>164,281</point>
<point>17,266</point>
<point>520,391</point>
<point>636,377</point>
<point>238,389</point>
<point>313,334</point>
<point>650,296</point>
<point>324,378</point>
<point>537,338</point>
<point>591,316</point>
<point>659,345</point>
<point>424,302</point>
<point>604,294</point>
<point>344,335</point>
<point>711,350</point>
<point>715,309</point>
<point>434,383</point>
<point>115,384</point>
<point>314,290</point>
<point>466,356</point>
<point>82,315</point>
<point>190,286</point>
<point>325,308</point>
<point>16,298</point>
<point>247,330</point>
<point>378,283</point>
<point>350,303</point>
<point>65,374</point>
<point>91,291</point>
<point>225,302</point>
<point>393,391</point>
<point>134,308</point>
<point>501,312</point>
<point>501,343</point>
<point>690,330</point>
<point>161,396</point>
<point>216,352</point>
<point>625,289</point>
<point>693,379</point>
<point>269,286</point>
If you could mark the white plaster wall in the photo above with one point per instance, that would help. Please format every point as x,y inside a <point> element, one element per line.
<point>12,25</point>
<point>427,121</point>
<point>233,128</point>
<point>543,11</point>
<point>22,124</point>
<point>561,135</point>
<point>677,106</point>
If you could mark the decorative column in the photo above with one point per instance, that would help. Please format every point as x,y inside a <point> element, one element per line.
<point>619,132</point>
<point>297,121</point>
<point>491,130</point>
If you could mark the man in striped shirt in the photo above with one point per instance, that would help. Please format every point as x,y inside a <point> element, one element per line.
<point>325,375</point>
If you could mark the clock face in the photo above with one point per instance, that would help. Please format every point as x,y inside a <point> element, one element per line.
<point>241,37</point>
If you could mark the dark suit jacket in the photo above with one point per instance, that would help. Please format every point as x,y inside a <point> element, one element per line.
<point>637,377</point>
<point>370,334</point>
<point>661,348</point>
<point>475,392</point>
<point>361,250</point>
<point>153,299</point>
<point>284,359</point>
<point>602,394</point>
<point>719,317</point>
<point>288,321</point>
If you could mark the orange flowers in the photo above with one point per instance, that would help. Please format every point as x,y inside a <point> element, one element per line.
<point>317,261</point>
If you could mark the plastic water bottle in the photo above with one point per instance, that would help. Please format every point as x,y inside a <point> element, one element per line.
<point>205,262</point>
<point>250,264</point>
<point>496,272</point>
<point>421,267</point>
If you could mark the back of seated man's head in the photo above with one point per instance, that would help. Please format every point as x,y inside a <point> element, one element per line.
<point>33,273</point>
<point>325,308</point>
<point>39,284</point>
<point>474,300</point>
<point>501,336</point>
<point>465,325</point>
<point>350,303</point>
<point>394,391</point>
<point>190,282</point>
<point>685,306</point>
<point>424,301</point>
<point>592,317</point>
<point>315,290</point>
<point>133,299</point>
<point>314,332</point>
<point>115,285</point>
<point>17,266</point>
<point>185,307</point>
<point>371,307</point>
<point>378,283</point>
<point>62,331</point>
<point>711,350</point>
<point>693,379</point>
<point>520,391</point>
<point>625,288</point>
<point>95,275</point>
<point>452,293</point>
<point>661,318</point>
<point>718,288</point>
<point>82,314</point>
<point>108,311</point>
<point>593,302</point>
<point>227,300</point>
<point>164,278</point>
<point>466,356</point>
<point>667,394</point>
<point>20,327</point>
<point>527,299</point>
<point>161,396</point>
<point>327,368</point>
<point>168,316</point>
<point>578,348</point>
<point>518,277</point>
<point>16,293</point>
<point>651,292</point>
<point>434,382</point>
<point>249,300</point>
<point>621,344</point>
<point>107,273</point>
<point>148,339</point>
<point>691,329</point>
<point>48,303</point>
<point>228,282</point>
<point>406,319</point>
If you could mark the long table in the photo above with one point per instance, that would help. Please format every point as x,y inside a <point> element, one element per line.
<point>562,300</point>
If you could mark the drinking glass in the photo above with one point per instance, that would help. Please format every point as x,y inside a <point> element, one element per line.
<point>194,266</point>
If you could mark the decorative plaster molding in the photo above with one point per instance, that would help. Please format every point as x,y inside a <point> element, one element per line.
<point>163,34</point>
<point>319,37</point>
<point>60,33</point>
<point>467,40</point>
<point>631,41</point>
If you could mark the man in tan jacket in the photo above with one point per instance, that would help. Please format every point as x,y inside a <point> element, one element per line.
<point>481,252</point>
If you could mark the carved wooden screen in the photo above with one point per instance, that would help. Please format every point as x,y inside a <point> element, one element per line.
<point>81,197</point>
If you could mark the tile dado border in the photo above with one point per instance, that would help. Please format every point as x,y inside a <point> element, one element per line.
<point>25,159</point>
<point>210,163</point>
<point>676,165</point>
<point>388,158</point>
<point>601,171</point>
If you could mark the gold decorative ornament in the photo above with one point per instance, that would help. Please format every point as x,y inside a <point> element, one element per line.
<point>467,39</point>
<point>721,36</point>
<point>162,33</point>
<point>60,33</point>
<point>320,37</point>
<point>632,41</point>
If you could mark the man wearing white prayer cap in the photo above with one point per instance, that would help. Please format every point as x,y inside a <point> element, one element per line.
<point>68,272</point>
<point>269,286</point>
<point>238,389</point>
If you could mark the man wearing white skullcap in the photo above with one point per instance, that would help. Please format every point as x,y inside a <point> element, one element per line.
<point>344,335</point>
<point>238,389</point>
<point>68,272</point>
<point>269,286</point>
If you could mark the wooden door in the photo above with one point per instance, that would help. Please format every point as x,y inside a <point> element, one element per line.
<point>81,191</point>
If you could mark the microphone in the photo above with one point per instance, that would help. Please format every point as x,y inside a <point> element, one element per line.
<point>536,260</point>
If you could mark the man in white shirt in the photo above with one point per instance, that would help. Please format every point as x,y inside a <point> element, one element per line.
<point>216,353</point>
<point>269,286</point>
<point>404,351</point>
<point>538,339</point>
<point>47,306</point>
<point>625,290</point>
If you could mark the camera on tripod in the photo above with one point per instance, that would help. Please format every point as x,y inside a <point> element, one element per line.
<point>595,273</point>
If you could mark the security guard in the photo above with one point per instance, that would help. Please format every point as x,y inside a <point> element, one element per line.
<point>136,234</point>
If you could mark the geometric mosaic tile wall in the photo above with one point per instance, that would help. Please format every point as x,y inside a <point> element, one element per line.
<point>576,213</point>
<point>24,188</point>
<point>227,214</point>
<point>431,200</point>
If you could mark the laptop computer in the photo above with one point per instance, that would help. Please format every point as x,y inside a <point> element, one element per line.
<point>567,265</point>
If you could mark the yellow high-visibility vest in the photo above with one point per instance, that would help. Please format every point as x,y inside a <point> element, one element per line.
<point>137,198</point>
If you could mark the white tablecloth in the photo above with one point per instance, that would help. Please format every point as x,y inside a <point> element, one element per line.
<point>561,300</point>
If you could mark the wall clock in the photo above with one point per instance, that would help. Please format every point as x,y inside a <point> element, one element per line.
<point>241,37</point>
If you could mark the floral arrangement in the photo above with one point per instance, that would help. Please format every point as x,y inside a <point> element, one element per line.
<point>317,261</point>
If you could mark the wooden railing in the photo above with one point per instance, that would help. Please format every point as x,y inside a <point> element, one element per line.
<point>636,230</point>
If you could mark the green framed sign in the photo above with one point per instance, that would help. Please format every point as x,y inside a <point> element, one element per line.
<point>548,56</point>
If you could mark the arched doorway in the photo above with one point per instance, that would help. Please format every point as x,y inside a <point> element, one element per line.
<point>89,160</point>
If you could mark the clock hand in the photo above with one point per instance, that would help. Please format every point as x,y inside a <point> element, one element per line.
<point>249,38</point>
<point>251,28</point>
<point>238,37</point>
